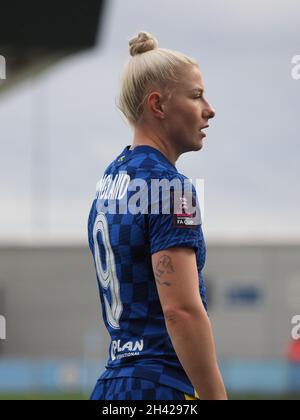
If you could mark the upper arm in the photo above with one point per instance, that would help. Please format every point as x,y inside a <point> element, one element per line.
<point>174,237</point>
<point>176,277</point>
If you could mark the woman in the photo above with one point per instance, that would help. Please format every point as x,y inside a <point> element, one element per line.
<point>149,262</point>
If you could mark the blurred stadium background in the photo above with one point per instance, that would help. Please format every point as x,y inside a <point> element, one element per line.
<point>59,129</point>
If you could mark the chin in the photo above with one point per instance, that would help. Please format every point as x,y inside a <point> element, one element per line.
<point>192,147</point>
<point>198,146</point>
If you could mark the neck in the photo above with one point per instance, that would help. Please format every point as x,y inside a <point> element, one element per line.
<point>147,138</point>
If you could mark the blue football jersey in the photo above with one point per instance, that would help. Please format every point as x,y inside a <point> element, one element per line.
<point>125,227</point>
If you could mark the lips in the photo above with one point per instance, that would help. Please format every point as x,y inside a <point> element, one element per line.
<point>206,126</point>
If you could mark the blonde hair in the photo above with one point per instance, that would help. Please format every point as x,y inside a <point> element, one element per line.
<point>149,67</point>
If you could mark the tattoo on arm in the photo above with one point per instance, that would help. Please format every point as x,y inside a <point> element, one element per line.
<point>163,267</point>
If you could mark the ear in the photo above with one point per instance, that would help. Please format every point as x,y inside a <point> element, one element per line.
<point>156,105</point>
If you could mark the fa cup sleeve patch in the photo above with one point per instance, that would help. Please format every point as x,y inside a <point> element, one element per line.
<point>186,211</point>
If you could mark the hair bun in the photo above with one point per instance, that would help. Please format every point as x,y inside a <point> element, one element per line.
<point>142,43</point>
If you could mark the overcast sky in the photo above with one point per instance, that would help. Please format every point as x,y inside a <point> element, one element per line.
<point>250,161</point>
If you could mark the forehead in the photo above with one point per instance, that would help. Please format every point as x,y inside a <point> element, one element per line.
<point>192,80</point>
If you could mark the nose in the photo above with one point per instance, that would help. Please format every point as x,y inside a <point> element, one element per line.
<point>209,112</point>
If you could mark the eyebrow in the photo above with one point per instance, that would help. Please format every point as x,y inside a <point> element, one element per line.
<point>197,90</point>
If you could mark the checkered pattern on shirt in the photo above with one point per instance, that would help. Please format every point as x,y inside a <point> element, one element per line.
<point>134,238</point>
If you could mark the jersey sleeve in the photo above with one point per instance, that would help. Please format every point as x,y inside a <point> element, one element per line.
<point>174,218</point>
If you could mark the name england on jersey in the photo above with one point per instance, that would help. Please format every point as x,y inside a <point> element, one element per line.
<point>115,188</point>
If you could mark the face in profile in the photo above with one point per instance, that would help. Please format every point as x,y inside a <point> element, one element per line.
<point>188,112</point>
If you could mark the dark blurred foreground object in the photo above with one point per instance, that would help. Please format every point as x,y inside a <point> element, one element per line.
<point>35,34</point>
